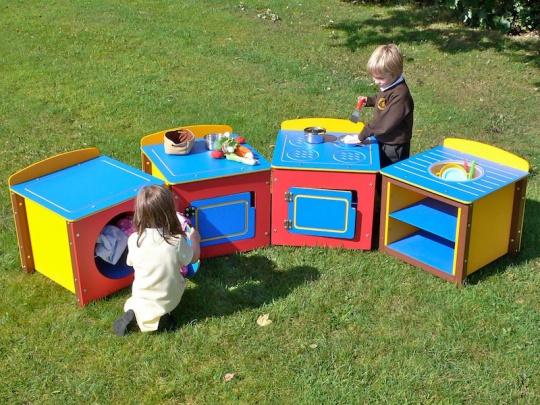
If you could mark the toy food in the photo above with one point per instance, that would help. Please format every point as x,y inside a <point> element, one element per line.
<point>232,149</point>
<point>244,160</point>
<point>243,151</point>
<point>217,154</point>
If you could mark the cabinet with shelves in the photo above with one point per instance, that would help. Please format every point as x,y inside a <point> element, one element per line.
<point>453,228</point>
<point>423,229</point>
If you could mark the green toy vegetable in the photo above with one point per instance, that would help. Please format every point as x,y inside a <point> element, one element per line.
<point>218,143</point>
<point>229,145</point>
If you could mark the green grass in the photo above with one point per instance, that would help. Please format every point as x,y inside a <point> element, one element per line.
<point>347,326</point>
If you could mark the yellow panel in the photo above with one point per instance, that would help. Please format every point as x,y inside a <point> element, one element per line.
<point>458,241</point>
<point>53,164</point>
<point>397,230</point>
<point>400,197</point>
<point>156,173</point>
<point>490,228</point>
<point>487,152</point>
<point>50,244</point>
<point>330,124</point>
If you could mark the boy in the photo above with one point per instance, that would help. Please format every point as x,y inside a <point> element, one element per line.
<point>393,114</point>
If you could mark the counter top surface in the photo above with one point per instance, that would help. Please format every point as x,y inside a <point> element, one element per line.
<point>294,152</point>
<point>86,188</point>
<point>198,164</point>
<point>420,170</point>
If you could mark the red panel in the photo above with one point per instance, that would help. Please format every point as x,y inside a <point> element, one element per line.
<point>361,183</point>
<point>90,284</point>
<point>257,183</point>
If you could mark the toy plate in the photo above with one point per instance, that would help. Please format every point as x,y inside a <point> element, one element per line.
<point>349,140</point>
<point>454,174</point>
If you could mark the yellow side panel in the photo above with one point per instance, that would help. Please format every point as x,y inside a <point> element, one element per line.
<point>396,230</point>
<point>458,241</point>
<point>50,245</point>
<point>490,231</point>
<point>158,174</point>
<point>488,152</point>
<point>330,124</point>
<point>399,198</point>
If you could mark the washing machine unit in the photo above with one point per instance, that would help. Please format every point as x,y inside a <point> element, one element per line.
<point>61,206</point>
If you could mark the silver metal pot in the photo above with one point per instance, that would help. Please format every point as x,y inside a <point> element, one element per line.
<point>314,134</point>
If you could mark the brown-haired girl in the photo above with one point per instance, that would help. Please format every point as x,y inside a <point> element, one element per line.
<point>156,251</point>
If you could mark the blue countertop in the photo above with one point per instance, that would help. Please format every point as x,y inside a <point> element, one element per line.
<point>294,152</point>
<point>86,188</point>
<point>198,164</point>
<point>418,171</point>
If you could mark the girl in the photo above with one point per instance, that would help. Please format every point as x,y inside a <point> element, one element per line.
<point>156,251</point>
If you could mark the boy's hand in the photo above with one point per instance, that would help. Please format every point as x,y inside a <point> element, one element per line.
<point>362,100</point>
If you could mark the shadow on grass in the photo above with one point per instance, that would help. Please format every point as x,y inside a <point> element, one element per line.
<point>413,25</point>
<point>530,247</point>
<point>225,285</point>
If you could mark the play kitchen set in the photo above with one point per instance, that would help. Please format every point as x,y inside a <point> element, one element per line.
<point>222,185</point>
<point>453,209</point>
<point>323,184</point>
<point>450,210</point>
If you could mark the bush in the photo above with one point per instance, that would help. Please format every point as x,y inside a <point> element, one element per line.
<point>508,16</point>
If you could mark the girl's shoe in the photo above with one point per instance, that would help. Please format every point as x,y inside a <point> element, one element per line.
<point>122,324</point>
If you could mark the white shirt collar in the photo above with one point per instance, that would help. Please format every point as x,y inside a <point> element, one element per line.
<point>393,84</point>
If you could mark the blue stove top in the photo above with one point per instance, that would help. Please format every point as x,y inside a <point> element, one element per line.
<point>292,151</point>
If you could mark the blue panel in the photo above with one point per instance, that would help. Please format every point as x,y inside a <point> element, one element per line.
<point>294,152</point>
<point>416,171</point>
<point>115,271</point>
<point>432,215</point>
<point>198,164</point>
<point>86,188</point>
<point>427,248</point>
<point>224,219</point>
<point>321,212</point>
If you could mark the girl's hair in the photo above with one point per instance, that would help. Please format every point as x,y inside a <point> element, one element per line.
<point>155,208</point>
<point>386,59</point>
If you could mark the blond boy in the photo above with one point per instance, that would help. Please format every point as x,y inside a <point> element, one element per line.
<point>393,106</point>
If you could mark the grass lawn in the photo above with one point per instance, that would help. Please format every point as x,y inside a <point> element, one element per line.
<point>347,327</point>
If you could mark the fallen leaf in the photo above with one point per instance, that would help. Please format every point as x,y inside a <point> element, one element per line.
<point>263,320</point>
<point>228,376</point>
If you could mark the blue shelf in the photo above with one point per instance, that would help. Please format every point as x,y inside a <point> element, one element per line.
<point>430,215</point>
<point>427,248</point>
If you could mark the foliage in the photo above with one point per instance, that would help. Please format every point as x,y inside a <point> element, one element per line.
<point>511,16</point>
<point>508,16</point>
